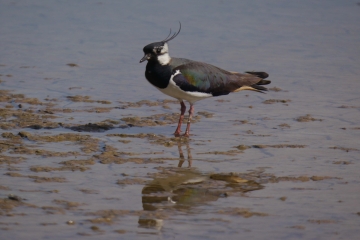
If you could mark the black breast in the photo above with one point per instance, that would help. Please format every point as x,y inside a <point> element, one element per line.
<point>157,74</point>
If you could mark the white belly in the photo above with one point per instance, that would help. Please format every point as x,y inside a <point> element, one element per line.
<point>174,91</point>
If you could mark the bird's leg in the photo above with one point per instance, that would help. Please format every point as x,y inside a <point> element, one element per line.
<point>183,109</point>
<point>191,111</point>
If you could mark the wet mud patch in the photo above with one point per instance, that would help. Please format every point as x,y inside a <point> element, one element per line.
<point>229,152</point>
<point>10,160</point>
<point>71,110</point>
<point>53,210</point>
<point>259,176</point>
<point>307,118</point>
<point>68,204</point>
<point>110,154</point>
<point>78,98</point>
<point>88,143</point>
<point>92,127</point>
<point>26,144</point>
<point>37,179</point>
<point>63,168</point>
<point>40,152</point>
<point>276,89</point>
<point>342,162</point>
<point>280,146</point>
<point>274,179</point>
<point>7,96</point>
<point>344,149</point>
<point>206,114</point>
<point>346,106</point>
<point>18,118</point>
<point>88,191</point>
<point>321,221</point>
<point>72,65</point>
<point>272,101</point>
<point>284,126</point>
<point>76,163</point>
<point>20,114</point>
<point>244,147</point>
<point>243,212</point>
<point>4,188</point>
<point>320,178</point>
<point>11,202</point>
<point>147,103</point>
<point>222,100</point>
<point>240,122</point>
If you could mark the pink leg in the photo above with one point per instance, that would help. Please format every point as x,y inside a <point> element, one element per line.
<point>183,109</point>
<point>191,111</point>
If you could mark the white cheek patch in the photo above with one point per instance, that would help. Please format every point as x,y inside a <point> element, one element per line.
<point>164,59</point>
<point>165,49</point>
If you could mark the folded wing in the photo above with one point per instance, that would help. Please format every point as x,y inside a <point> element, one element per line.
<point>202,77</point>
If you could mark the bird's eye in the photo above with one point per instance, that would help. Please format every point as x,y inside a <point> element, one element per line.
<point>158,50</point>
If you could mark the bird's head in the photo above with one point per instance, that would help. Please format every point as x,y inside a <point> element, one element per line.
<point>159,51</point>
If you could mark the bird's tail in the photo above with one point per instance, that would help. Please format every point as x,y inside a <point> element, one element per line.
<point>259,81</point>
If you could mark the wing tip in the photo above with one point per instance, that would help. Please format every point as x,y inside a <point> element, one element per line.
<point>261,75</point>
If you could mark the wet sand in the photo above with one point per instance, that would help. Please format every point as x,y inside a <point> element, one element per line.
<point>86,143</point>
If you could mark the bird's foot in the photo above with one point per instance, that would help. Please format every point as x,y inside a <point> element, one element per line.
<point>186,134</point>
<point>178,134</point>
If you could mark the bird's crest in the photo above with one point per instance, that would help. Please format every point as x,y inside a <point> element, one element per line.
<point>168,38</point>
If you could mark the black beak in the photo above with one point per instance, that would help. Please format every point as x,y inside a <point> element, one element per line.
<point>146,57</point>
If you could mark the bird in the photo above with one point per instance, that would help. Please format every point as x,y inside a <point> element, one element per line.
<point>191,81</point>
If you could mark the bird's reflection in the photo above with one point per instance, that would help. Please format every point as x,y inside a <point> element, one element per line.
<point>181,189</point>
<point>182,158</point>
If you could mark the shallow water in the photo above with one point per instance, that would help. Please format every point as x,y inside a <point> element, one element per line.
<point>107,165</point>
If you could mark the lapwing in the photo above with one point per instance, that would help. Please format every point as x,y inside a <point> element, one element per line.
<point>192,81</point>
